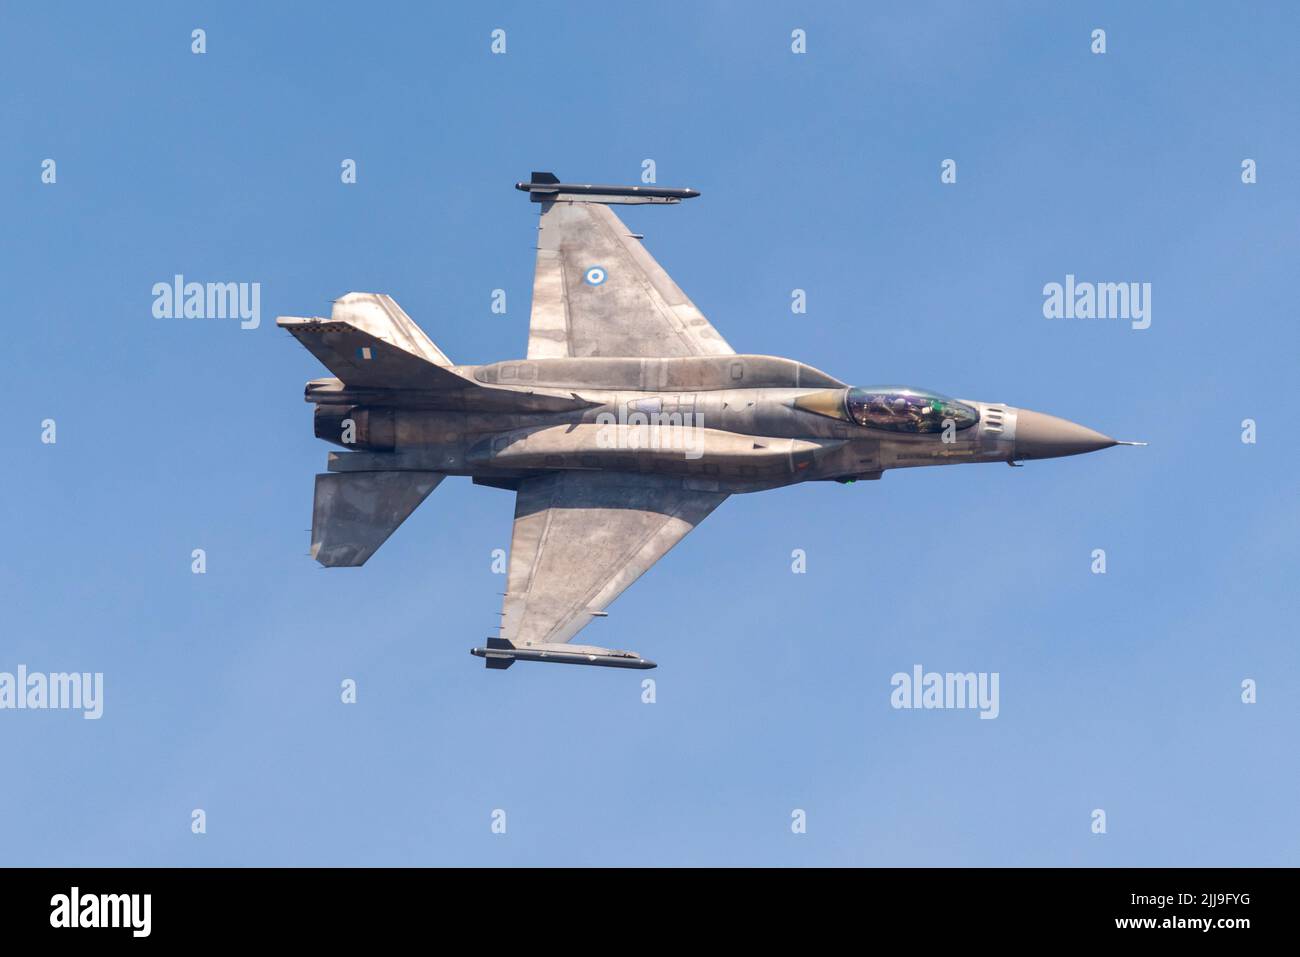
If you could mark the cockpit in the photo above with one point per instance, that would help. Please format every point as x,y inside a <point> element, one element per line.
<point>892,408</point>
<point>907,410</point>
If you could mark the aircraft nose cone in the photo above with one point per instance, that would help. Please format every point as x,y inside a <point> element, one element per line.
<point>1040,436</point>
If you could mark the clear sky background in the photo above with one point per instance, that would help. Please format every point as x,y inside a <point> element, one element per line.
<point>821,172</point>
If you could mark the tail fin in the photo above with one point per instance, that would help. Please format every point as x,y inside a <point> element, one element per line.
<point>355,512</point>
<point>369,342</point>
<point>503,662</point>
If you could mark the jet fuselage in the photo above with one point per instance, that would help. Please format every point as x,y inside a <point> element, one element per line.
<point>631,419</point>
<point>736,423</point>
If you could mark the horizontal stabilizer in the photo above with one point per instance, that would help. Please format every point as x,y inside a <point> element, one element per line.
<point>355,512</point>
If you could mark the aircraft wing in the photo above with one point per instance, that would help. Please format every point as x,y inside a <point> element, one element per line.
<point>597,292</point>
<point>581,538</point>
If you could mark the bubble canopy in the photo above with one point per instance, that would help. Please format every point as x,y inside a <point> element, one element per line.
<point>891,408</point>
<point>900,409</point>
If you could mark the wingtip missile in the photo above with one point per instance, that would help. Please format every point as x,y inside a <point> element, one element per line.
<point>547,186</point>
<point>502,654</point>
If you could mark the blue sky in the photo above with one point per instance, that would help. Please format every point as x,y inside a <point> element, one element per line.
<point>818,171</point>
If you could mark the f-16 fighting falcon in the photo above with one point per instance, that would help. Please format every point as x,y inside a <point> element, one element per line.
<point>629,420</point>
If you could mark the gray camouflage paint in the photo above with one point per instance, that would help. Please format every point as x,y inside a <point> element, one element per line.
<point>610,335</point>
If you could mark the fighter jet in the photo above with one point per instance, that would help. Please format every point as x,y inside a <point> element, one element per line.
<point>629,420</point>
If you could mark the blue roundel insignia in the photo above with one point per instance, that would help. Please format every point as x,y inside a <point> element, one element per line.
<point>594,276</point>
